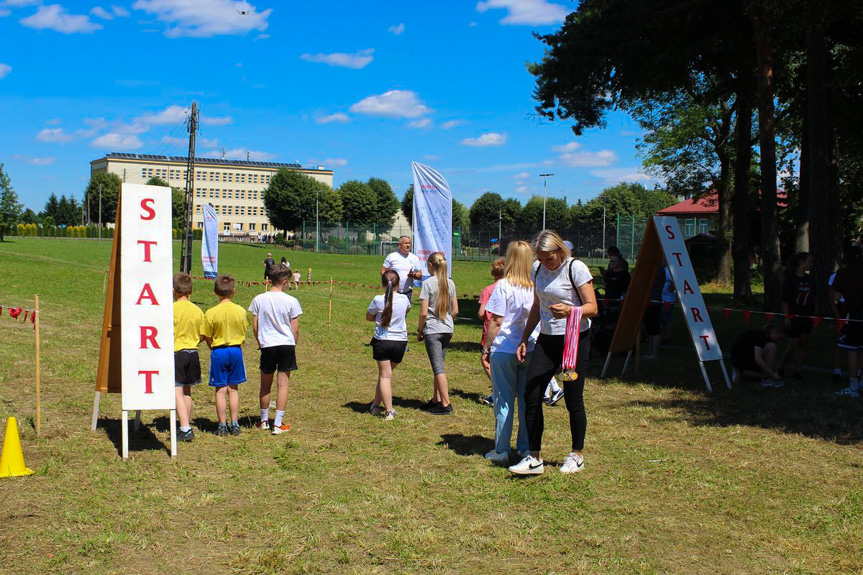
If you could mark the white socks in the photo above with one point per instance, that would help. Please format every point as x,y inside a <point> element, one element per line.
<point>279,416</point>
<point>265,414</point>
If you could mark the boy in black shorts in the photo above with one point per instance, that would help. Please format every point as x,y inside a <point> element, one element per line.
<point>187,364</point>
<point>276,326</point>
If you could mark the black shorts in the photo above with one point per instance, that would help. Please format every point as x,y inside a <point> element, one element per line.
<point>651,318</point>
<point>800,326</point>
<point>851,336</point>
<point>280,357</point>
<point>187,367</point>
<point>388,350</point>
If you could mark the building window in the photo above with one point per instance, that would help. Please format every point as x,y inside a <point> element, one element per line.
<point>200,225</point>
<point>702,226</point>
<point>143,172</point>
<point>251,227</point>
<point>230,194</point>
<point>239,226</point>
<point>226,227</point>
<point>264,227</point>
<point>230,177</point>
<point>689,227</point>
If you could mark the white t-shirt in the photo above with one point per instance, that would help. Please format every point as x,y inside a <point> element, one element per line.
<point>398,329</point>
<point>403,265</point>
<point>513,303</point>
<point>554,287</point>
<point>275,310</point>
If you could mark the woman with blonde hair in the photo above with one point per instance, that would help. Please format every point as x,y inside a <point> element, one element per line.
<point>439,306</point>
<point>561,283</point>
<point>509,307</point>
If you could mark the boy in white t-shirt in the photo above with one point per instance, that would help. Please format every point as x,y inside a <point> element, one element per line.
<point>276,327</point>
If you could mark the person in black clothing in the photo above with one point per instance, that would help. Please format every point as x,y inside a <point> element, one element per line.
<point>616,279</point>
<point>653,315</point>
<point>268,266</point>
<point>754,353</point>
<point>798,300</point>
<point>848,285</point>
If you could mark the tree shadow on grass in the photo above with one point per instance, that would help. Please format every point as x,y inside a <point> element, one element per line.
<point>466,445</point>
<point>810,409</point>
<point>142,440</point>
<point>468,395</point>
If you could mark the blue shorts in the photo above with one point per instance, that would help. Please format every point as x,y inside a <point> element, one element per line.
<point>226,366</point>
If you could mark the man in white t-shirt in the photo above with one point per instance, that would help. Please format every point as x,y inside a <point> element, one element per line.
<point>404,263</point>
<point>276,325</point>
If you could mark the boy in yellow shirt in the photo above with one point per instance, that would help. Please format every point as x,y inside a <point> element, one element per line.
<point>224,330</point>
<point>187,364</point>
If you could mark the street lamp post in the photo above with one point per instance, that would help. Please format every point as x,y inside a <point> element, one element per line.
<point>545,178</point>
<point>317,222</point>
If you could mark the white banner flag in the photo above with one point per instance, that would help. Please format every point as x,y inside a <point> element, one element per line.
<point>147,307</point>
<point>210,243</point>
<point>432,215</point>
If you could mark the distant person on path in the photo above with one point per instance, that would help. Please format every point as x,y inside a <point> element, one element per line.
<point>224,330</point>
<point>268,266</point>
<point>848,284</point>
<point>404,263</point>
<point>562,282</point>
<point>187,364</point>
<point>798,299</point>
<point>276,325</point>
<point>390,340</point>
<point>754,355</point>
<point>297,278</point>
<point>616,278</point>
<point>439,305</point>
<point>497,273</point>
<point>509,307</point>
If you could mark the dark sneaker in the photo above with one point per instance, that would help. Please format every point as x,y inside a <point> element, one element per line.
<point>185,435</point>
<point>430,405</point>
<point>439,409</point>
<point>222,431</point>
<point>487,400</point>
<point>555,397</point>
<point>235,429</point>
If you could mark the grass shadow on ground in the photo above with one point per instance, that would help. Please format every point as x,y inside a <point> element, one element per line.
<point>142,440</point>
<point>417,404</point>
<point>357,406</point>
<point>466,445</point>
<point>468,395</point>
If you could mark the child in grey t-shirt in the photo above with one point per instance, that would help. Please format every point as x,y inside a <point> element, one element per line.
<point>439,307</point>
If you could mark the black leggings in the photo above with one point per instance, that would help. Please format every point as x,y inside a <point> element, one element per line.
<point>545,360</point>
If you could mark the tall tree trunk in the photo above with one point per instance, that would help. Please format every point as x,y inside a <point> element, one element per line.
<point>740,199</point>
<point>823,203</point>
<point>767,144</point>
<point>801,220</point>
<point>723,189</point>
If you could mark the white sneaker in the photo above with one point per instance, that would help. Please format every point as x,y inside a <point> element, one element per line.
<point>573,463</point>
<point>390,415</point>
<point>497,458</point>
<point>527,466</point>
<point>848,392</point>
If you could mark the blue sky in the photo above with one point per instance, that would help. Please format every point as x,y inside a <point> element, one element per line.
<point>363,88</point>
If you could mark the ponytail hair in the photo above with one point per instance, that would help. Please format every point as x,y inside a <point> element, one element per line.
<point>390,279</point>
<point>437,265</point>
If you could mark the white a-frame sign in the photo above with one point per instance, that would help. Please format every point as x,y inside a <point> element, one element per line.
<point>663,236</point>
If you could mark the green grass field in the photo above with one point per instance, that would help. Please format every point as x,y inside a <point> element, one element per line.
<point>677,481</point>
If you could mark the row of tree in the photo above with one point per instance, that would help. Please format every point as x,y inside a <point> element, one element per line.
<point>728,94</point>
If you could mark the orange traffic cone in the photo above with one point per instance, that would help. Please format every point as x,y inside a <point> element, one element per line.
<point>12,460</point>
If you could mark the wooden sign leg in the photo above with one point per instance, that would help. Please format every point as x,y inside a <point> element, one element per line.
<point>173,433</point>
<point>95,410</point>
<point>626,362</point>
<point>725,373</point>
<point>605,367</point>
<point>704,373</point>
<point>124,425</point>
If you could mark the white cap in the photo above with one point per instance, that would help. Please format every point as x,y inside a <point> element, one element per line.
<point>568,244</point>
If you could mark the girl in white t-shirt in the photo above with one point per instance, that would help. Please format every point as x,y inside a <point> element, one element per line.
<point>561,283</point>
<point>509,307</point>
<point>391,338</point>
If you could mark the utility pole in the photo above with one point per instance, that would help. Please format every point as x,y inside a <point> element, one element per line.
<point>186,242</point>
<point>545,178</point>
<point>100,211</point>
<point>499,225</point>
<point>603,229</point>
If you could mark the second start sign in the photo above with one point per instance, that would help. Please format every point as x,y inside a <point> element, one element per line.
<point>146,294</point>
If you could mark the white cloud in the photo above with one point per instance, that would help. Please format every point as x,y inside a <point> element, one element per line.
<point>357,61</point>
<point>54,17</point>
<point>587,159</point>
<point>570,147</point>
<point>617,175</point>
<point>176,141</point>
<point>531,12</point>
<point>522,190</point>
<point>94,126</point>
<point>4,70</point>
<point>398,29</point>
<point>4,12</point>
<point>205,142</point>
<point>116,141</point>
<point>41,161</point>
<point>216,120</point>
<point>20,3</point>
<point>100,12</point>
<point>392,104</point>
<point>472,25</point>
<point>168,116</point>
<point>485,140</point>
<point>240,154</point>
<point>55,135</point>
<point>430,157</point>
<point>120,12</point>
<point>521,176</point>
<point>262,37</point>
<point>335,162</point>
<point>421,124</point>
<point>338,117</point>
<point>450,124</point>
<point>205,18</point>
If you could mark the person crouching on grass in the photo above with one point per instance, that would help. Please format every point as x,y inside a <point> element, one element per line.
<point>187,364</point>
<point>439,307</point>
<point>753,356</point>
<point>276,323</point>
<point>224,330</point>
<point>388,311</point>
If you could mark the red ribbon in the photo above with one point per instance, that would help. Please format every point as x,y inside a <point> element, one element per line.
<point>816,321</point>
<point>746,313</point>
<point>726,312</point>
<point>768,316</point>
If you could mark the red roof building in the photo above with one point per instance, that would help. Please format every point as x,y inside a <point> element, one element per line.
<point>695,216</point>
